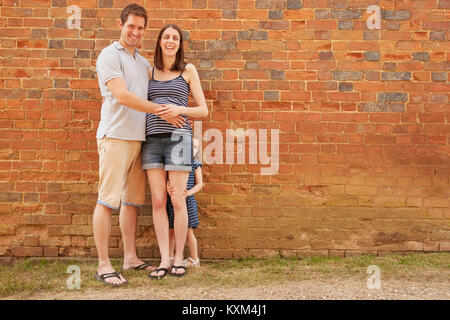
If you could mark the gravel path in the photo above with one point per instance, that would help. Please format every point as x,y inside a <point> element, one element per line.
<point>349,288</point>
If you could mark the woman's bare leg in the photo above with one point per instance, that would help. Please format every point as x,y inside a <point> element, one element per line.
<point>157,181</point>
<point>178,180</point>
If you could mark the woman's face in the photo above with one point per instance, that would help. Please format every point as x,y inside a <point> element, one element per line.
<point>170,42</point>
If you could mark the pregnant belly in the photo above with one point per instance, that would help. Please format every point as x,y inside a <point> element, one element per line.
<point>167,100</point>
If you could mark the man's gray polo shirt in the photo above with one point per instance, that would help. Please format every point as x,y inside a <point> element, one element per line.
<point>118,121</point>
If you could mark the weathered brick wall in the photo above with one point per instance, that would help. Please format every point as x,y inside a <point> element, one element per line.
<point>363,119</point>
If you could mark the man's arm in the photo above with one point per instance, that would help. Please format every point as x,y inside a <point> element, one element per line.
<point>124,97</point>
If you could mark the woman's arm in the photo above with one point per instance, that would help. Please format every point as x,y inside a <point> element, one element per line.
<point>200,111</point>
<point>198,182</point>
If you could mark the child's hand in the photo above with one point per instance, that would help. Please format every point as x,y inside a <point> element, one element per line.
<point>171,190</point>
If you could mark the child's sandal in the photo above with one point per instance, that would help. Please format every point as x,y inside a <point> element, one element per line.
<point>194,263</point>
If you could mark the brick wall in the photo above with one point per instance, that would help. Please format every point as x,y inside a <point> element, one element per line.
<point>363,119</point>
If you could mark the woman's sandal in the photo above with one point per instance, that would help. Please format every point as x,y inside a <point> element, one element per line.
<point>194,263</point>
<point>175,274</point>
<point>160,276</point>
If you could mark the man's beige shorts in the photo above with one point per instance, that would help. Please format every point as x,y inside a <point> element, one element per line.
<point>121,174</point>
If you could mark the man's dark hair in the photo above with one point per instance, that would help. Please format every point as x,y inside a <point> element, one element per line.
<point>133,9</point>
<point>179,63</point>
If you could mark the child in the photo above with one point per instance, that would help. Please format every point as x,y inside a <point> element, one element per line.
<point>194,184</point>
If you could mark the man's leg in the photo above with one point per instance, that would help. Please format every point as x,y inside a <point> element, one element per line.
<point>133,197</point>
<point>102,230</point>
<point>128,226</point>
<point>114,162</point>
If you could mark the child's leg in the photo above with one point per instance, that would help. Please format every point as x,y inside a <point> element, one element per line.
<point>192,244</point>
<point>171,243</point>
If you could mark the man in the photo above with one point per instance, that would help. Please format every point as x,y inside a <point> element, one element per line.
<point>123,80</point>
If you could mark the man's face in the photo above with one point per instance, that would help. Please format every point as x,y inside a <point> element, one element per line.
<point>133,30</point>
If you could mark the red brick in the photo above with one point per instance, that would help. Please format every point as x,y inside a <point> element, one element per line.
<point>27,251</point>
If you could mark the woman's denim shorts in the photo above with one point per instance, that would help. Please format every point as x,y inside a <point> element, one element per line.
<point>168,151</point>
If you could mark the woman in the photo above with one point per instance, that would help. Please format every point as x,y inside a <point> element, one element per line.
<point>168,148</point>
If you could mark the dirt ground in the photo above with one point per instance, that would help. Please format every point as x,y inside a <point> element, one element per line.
<point>410,277</point>
<point>429,287</point>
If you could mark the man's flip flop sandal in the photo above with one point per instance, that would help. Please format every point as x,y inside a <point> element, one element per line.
<point>175,274</point>
<point>103,277</point>
<point>143,266</point>
<point>157,271</point>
